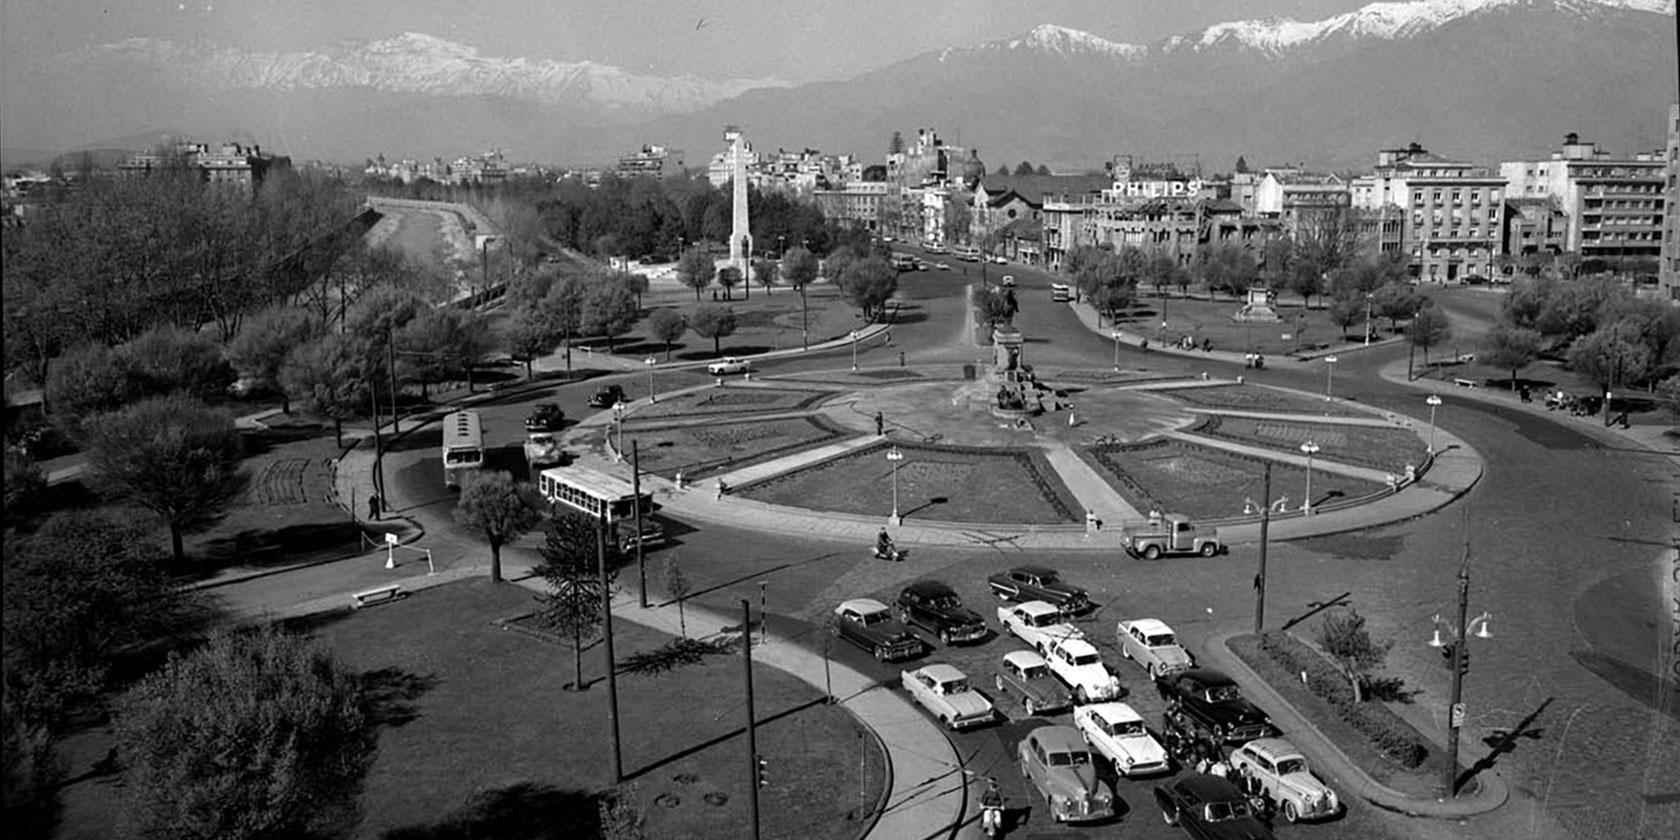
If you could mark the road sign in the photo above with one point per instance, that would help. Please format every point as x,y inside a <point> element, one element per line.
<point>391,539</point>
<point>1457,716</point>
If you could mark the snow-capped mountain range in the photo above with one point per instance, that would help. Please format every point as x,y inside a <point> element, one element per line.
<point>416,63</point>
<point>1468,77</point>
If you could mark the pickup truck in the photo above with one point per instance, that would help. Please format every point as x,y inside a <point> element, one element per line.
<point>1036,623</point>
<point>1170,534</point>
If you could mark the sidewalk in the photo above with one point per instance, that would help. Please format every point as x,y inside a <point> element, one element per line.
<point>1344,775</point>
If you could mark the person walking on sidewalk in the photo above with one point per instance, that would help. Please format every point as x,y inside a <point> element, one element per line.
<point>880,424</point>
<point>722,488</point>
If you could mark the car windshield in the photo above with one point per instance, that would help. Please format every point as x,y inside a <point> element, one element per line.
<point>955,687</point>
<point>1044,619</point>
<point>1069,759</point>
<point>1224,693</point>
<point>871,618</point>
<point>947,602</point>
<point>1087,659</point>
<point>1127,728</point>
<point>543,440</point>
<point>1292,765</point>
<point>1222,811</point>
<point>1035,672</point>
<point>1161,640</point>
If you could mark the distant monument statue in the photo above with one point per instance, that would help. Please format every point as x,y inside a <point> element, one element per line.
<point>1258,309</point>
<point>740,235</point>
<point>1016,395</point>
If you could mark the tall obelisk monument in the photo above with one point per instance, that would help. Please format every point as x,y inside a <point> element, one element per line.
<point>740,236</point>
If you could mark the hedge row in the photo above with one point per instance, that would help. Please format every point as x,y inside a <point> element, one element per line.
<point>1396,738</point>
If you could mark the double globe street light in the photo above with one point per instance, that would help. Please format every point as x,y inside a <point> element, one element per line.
<point>1432,400</point>
<point>1309,449</point>
<point>1454,648</point>
<point>894,456</point>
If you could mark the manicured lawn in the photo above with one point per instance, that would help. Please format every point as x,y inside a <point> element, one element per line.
<point>1258,398</point>
<point>481,740</point>
<point>729,401</point>
<point>766,322</point>
<point>699,450</point>
<point>947,484</point>
<point>1389,449</point>
<point>1176,477</point>
<point>1199,318</point>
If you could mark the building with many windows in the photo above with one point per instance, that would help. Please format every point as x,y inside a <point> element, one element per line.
<point>1668,265</point>
<point>1614,206</point>
<point>231,164</point>
<point>1451,213</point>
<point>857,204</point>
<point>651,160</point>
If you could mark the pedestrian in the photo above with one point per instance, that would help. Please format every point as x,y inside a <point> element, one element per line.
<point>1207,345</point>
<point>679,480</point>
<point>880,424</point>
<point>722,488</point>
<point>888,334</point>
<point>901,358</point>
<point>373,507</point>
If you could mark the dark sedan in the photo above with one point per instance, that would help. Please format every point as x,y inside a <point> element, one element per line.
<point>1038,583</point>
<point>936,608</point>
<point>1212,703</point>
<point>1210,808</point>
<point>868,624</point>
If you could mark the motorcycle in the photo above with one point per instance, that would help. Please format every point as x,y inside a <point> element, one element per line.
<point>890,552</point>
<point>991,820</point>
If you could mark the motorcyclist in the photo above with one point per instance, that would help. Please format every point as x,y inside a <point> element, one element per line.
<point>883,545</point>
<point>991,808</point>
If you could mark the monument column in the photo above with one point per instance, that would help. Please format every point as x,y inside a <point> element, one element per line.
<point>740,235</point>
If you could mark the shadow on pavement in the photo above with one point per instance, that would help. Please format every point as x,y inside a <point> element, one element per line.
<point>1503,741</point>
<point>523,811</point>
<point>725,737</point>
<point>1650,689</point>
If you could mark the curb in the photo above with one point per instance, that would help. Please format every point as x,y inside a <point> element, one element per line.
<point>1490,796</point>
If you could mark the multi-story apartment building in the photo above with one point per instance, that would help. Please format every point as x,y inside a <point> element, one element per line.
<point>1668,265</point>
<point>1300,200</point>
<point>858,203</point>
<point>230,164</point>
<point>651,160</point>
<point>1614,205</point>
<point>1451,212</point>
<point>1534,228</point>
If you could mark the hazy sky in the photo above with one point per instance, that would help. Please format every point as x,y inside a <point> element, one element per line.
<point>798,40</point>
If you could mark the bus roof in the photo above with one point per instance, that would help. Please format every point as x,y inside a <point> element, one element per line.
<point>462,429</point>
<point>593,482</point>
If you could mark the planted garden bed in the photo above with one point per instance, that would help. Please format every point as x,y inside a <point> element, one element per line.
<point>1256,398</point>
<point>1383,448</point>
<point>699,449</point>
<point>1203,483</point>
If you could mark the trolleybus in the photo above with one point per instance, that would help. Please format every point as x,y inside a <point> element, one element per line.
<point>463,446</point>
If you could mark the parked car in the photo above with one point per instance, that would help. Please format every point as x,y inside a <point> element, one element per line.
<point>1059,765</point>
<point>999,259</point>
<point>728,365</point>
<point>652,534</point>
<point>1213,705</point>
<point>607,396</point>
<point>1116,732</point>
<point>544,417</point>
<point>868,623</point>
<point>1210,808</point>
<point>1036,623</point>
<point>944,691</point>
<point>1279,773</point>
<point>942,266</point>
<point>1077,663</point>
<point>1038,583</point>
<point>935,607</point>
<point>1008,281</point>
<point>1026,673</point>
<point>1151,644</point>
<point>542,450</point>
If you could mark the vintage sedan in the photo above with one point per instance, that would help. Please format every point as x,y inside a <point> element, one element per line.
<point>607,396</point>
<point>1038,583</point>
<point>868,623</point>
<point>1036,623</point>
<point>1059,764</point>
<point>1077,663</point>
<point>545,417</point>
<point>1280,774</point>
<point>1213,704</point>
<point>1210,808</point>
<point>1026,673</point>
<point>936,608</point>
<point>1117,732</point>
<point>728,365</point>
<point>944,691</point>
<point>1151,644</point>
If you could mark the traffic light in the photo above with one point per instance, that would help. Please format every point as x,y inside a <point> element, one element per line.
<point>763,772</point>
<point>1447,654</point>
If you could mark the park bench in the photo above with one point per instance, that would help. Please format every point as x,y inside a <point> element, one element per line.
<point>380,595</point>
<point>1464,383</point>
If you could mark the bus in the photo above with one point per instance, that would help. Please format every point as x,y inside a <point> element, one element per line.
<point>599,495</point>
<point>966,253</point>
<point>463,446</point>
<point>903,262</point>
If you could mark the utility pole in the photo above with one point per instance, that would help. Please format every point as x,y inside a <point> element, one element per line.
<point>636,491</point>
<point>1455,707</point>
<point>378,445</point>
<point>607,637</point>
<point>752,737</point>
<point>391,365</point>
<point>1265,532</point>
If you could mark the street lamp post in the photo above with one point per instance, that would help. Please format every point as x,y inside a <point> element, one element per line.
<point>854,349</point>
<point>1433,400</point>
<point>895,456</point>
<point>1457,655</point>
<point>1368,319</point>
<point>650,362</point>
<point>618,420</point>
<point>1329,374</point>
<point>1116,351</point>
<point>1309,449</point>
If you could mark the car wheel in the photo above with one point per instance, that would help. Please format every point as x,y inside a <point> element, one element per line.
<point>945,637</point>
<point>1154,671</point>
<point>1030,706</point>
<point>998,681</point>
<point>1209,549</point>
<point>1289,812</point>
<point>1080,696</point>
<point>1169,816</point>
<point>946,719</point>
<point>1152,552</point>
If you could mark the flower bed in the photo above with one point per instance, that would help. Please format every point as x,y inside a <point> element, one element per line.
<point>730,401</point>
<point>945,483</point>
<point>1383,448</point>
<point>1256,398</point>
<point>1203,483</point>
<point>696,450</point>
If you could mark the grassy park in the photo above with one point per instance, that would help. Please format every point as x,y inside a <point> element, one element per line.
<point>1178,477</point>
<point>1307,328</point>
<point>698,450</point>
<point>1389,449</point>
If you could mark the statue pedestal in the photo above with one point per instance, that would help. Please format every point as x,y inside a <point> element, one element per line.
<point>1258,309</point>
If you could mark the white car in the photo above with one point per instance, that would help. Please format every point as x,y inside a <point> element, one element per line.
<point>542,450</point>
<point>729,364</point>
<point>1008,281</point>
<point>1117,732</point>
<point>1037,623</point>
<point>1151,644</point>
<point>942,266</point>
<point>999,260</point>
<point>1281,775</point>
<point>944,691</point>
<point>1077,663</point>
